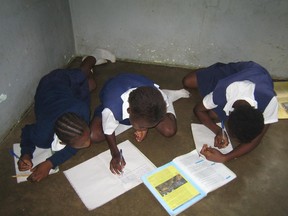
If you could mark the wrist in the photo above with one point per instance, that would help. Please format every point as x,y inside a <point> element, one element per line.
<point>26,157</point>
<point>49,164</point>
<point>115,153</point>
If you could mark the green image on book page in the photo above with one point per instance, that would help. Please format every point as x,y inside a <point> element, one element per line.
<point>174,189</point>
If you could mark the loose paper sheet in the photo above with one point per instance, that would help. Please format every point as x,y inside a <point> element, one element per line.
<point>203,135</point>
<point>96,185</point>
<point>39,156</point>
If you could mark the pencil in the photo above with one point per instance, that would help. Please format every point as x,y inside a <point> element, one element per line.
<point>222,126</point>
<point>20,175</point>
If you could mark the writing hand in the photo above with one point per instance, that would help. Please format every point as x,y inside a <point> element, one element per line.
<point>25,163</point>
<point>117,164</point>
<point>40,172</point>
<point>212,154</point>
<point>140,135</point>
<point>221,140</point>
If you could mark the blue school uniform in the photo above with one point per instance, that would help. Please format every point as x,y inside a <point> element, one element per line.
<point>219,76</point>
<point>110,94</point>
<point>58,92</point>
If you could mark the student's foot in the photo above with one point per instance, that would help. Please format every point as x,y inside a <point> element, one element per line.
<point>175,95</point>
<point>88,62</point>
<point>103,56</point>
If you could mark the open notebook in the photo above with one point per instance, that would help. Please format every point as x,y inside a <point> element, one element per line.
<point>96,185</point>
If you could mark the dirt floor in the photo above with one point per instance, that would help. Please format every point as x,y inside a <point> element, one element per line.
<point>260,188</point>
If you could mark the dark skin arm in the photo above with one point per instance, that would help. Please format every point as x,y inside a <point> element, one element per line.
<point>39,172</point>
<point>117,162</point>
<point>204,116</point>
<point>25,163</point>
<point>242,149</point>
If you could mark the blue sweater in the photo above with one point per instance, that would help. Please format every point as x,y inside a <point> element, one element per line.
<point>58,92</point>
<point>219,76</point>
<point>110,94</point>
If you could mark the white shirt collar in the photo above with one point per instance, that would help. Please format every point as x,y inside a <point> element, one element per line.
<point>242,90</point>
<point>125,105</point>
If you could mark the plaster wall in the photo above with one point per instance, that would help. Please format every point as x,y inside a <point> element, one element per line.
<point>36,37</point>
<point>192,33</point>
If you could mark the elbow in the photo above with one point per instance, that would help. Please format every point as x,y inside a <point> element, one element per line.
<point>170,131</point>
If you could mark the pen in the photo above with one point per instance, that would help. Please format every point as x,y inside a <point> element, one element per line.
<point>15,155</point>
<point>222,126</point>
<point>121,157</point>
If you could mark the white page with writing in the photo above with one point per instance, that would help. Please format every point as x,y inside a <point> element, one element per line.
<point>39,156</point>
<point>203,135</point>
<point>206,174</point>
<point>96,185</point>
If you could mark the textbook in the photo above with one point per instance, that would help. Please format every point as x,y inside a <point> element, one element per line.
<point>39,156</point>
<point>281,89</point>
<point>190,177</point>
<point>96,185</point>
<point>185,180</point>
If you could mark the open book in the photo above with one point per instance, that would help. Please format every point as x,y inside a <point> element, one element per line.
<point>186,180</point>
<point>190,177</point>
<point>281,89</point>
<point>39,156</point>
<point>96,185</point>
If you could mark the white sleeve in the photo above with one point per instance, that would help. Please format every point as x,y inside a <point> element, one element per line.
<point>169,103</point>
<point>208,101</point>
<point>271,112</point>
<point>109,123</point>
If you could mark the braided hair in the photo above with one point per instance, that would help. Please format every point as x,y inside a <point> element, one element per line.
<point>147,103</point>
<point>70,127</point>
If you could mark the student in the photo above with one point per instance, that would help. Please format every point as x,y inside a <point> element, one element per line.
<point>135,100</point>
<point>241,93</point>
<point>62,110</point>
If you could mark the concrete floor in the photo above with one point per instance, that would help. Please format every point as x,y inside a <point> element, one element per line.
<point>261,186</point>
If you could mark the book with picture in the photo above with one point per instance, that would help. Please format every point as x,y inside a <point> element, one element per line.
<point>188,178</point>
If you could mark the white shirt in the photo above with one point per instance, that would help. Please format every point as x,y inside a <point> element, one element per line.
<point>109,123</point>
<point>244,90</point>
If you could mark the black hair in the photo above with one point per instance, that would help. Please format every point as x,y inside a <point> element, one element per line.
<point>245,123</point>
<point>147,103</point>
<point>69,127</point>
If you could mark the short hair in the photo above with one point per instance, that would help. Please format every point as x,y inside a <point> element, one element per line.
<point>245,123</point>
<point>147,103</point>
<point>69,127</point>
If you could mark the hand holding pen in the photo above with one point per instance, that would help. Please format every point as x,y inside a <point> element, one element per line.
<point>117,163</point>
<point>221,139</point>
<point>24,163</point>
<point>122,161</point>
